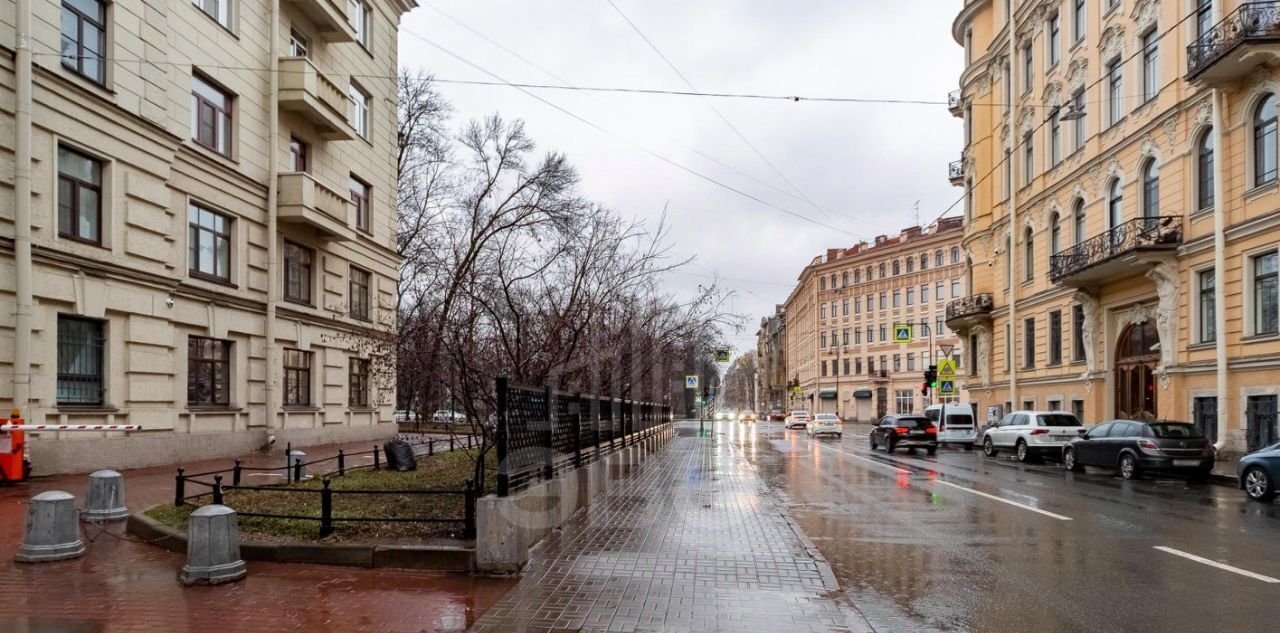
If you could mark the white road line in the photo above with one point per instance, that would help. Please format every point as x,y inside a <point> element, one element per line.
<point>1214,563</point>
<point>956,486</point>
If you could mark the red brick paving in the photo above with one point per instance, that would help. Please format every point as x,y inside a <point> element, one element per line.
<point>124,586</point>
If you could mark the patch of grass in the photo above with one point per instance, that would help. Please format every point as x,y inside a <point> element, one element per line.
<point>445,471</point>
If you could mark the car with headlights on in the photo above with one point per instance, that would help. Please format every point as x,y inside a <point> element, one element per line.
<point>1132,447</point>
<point>1259,471</point>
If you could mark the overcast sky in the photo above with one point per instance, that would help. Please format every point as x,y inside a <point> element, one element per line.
<point>858,168</point>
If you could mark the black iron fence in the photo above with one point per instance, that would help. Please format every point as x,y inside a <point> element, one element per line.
<point>969,306</point>
<point>214,489</point>
<point>1156,232</point>
<point>541,431</point>
<point>1250,21</point>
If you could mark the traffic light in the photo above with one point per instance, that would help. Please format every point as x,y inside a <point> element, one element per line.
<point>931,377</point>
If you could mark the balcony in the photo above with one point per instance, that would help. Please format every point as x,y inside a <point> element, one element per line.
<point>304,201</point>
<point>316,97</point>
<point>1234,46</point>
<point>955,173</point>
<point>955,103</point>
<point>330,18</point>
<point>878,374</point>
<point>968,311</point>
<point>1116,252</point>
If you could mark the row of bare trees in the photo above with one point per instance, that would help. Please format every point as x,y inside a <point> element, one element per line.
<point>509,271</point>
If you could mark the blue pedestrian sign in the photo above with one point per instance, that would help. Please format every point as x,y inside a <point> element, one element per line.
<point>946,387</point>
<point>690,382</point>
<point>902,332</point>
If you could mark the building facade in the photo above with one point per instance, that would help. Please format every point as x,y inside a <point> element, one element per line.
<point>178,245</point>
<point>841,353</point>
<point>1120,172</point>
<point>771,361</point>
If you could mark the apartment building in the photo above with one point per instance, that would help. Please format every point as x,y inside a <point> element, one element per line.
<point>1120,172</point>
<point>841,353</point>
<point>771,360</point>
<point>200,235</point>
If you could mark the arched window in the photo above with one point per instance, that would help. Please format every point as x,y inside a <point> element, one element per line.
<point>822,283</point>
<point>857,275</point>
<point>1055,234</point>
<point>1078,218</point>
<point>938,262</point>
<point>844,279</point>
<point>870,276</point>
<point>1115,205</point>
<point>1151,190</point>
<point>897,268</point>
<point>1264,142</point>
<point>1028,255</point>
<point>911,264</point>
<point>1204,170</point>
<point>882,271</point>
<point>833,281</point>
<point>955,254</point>
<point>924,261</point>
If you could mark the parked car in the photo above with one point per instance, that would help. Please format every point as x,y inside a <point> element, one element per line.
<point>905,430</point>
<point>404,415</point>
<point>826,424</point>
<point>445,416</point>
<point>1032,434</point>
<point>957,428</point>
<point>1259,471</point>
<point>797,419</point>
<point>777,415</point>
<point>1133,447</point>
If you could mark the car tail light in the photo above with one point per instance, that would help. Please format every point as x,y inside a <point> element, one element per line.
<point>1148,445</point>
<point>901,430</point>
<point>932,429</point>
<point>1040,431</point>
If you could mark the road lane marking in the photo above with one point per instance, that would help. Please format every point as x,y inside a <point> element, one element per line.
<point>1213,563</point>
<point>956,486</point>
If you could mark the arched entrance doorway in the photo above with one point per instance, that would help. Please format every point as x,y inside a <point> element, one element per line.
<point>1136,362</point>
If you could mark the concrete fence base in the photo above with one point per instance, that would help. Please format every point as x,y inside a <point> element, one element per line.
<point>508,527</point>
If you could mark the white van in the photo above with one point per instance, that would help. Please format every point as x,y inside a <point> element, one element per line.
<point>958,428</point>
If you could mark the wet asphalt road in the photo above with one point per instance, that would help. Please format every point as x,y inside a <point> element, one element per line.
<point>961,542</point>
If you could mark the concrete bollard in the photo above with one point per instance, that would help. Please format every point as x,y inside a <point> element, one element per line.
<point>53,529</point>
<point>213,547</point>
<point>293,457</point>
<point>105,497</point>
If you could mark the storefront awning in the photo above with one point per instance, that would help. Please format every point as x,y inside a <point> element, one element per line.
<point>862,393</point>
<point>827,394</point>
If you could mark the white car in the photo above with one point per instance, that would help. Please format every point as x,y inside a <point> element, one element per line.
<point>796,420</point>
<point>445,416</point>
<point>826,424</point>
<point>957,428</point>
<point>1031,434</point>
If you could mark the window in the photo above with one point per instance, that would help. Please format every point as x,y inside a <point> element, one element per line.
<point>924,293</point>
<point>1027,78</point>
<point>1077,409</point>
<point>1078,218</point>
<point>822,311</point>
<point>79,196</point>
<point>208,243</point>
<point>857,365</point>
<point>822,338</point>
<point>882,271</point>
<point>1115,205</point>
<point>857,276</point>
<point>1028,159</point>
<point>968,46</point>
<point>1055,139</point>
<point>1115,92</point>
<point>897,362</point>
<point>938,261</point>
<point>824,368</point>
<point>1029,342</point>
<point>1077,332</point>
<point>1204,170</point>
<point>84,37</point>
<point>904,400</point>
<point>1055,32</point>
<point>939,292</point>
<point>883,337</point>
<point>911,264</point>
<point>1077,126</point>
<point>298,153</point>
<point>884,298</point>
<point>822,283</point>
<point>360,15</point>
<point>1028,255</point>
<point>1080,15</point>
<point>871,335</point>
<point>358,383</point>
<point>1008,172</point>
<point>924,261</point>
<point>1150,65</point>
<point>1150,190</point>
<point>359,110</point>
<point>897,268</point>
<point>1265,297</point>
<point>939,329</point>
<point>1204,17</point>
<point>844,337</point>
<point>846,366</point>
<point>897,298</point>
<point>80,366</point>
<point>1055,234</point>
<point>358,289</point>
<point>219,10</point>
<point>1008,346</point>
<point>955,254</point>
<point>360,197</point>
<point>210,116</point>
<point>857,305</point>
<point>297,378</point>
<point>844,279</point>
<point>857,336</point>
<point>1055,337</point>
<point>208,371</point>
<point>1264,142</point>
<point>297,273</point>
<point>955,289</point>
<point>298,46</point>
<point>1008,87</point>
<point>911,362</point>
<point>911,296</point>
<point>1207,315</point>
<point>973,345</point>
<point>870,273</point>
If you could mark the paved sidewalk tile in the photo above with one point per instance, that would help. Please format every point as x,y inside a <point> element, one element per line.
<point>692,541</point>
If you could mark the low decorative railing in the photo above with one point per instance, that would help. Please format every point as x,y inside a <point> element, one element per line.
<point>1136,234</point>
<point>955,171</point>
<point>1250,21</point>
<point>972,305</point>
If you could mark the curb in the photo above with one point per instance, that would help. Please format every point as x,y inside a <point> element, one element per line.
<point>421,557</point>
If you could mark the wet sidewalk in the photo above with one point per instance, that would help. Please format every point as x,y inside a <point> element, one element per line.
<point>691,542</point>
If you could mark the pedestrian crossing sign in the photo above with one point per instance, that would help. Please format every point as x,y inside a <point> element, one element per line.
<point>690,382</point>
<point>946,368</point>
<point>946,387</point>
<point>902,332</point>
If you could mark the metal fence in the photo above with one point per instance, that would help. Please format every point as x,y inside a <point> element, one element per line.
<point>542,431</point>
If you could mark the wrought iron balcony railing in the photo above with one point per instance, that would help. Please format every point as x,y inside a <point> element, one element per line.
<point>1250,21</point>
<point>1156,232</point>
<point>973,305</point>
<point>954,100</point>
<point>955,172</point>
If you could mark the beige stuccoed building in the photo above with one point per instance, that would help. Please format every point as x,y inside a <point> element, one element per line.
<point>1120,168</point>
<point>840,351</point>
<point>199,235</point>
<point>771,361</point>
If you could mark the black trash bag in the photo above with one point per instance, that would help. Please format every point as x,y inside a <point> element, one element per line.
<point>399,456</point>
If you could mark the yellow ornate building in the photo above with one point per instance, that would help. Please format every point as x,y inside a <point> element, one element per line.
<point>1122,203</point>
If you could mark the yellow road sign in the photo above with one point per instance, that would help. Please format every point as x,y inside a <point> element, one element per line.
<point>946,369</point>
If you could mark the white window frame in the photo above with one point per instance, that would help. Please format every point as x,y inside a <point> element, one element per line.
<point>360,117</point>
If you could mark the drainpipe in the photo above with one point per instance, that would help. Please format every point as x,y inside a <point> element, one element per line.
<point>1013,227</point>
<point>1219,268</point>
<point>22,209</point>
<point>274,282</point>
